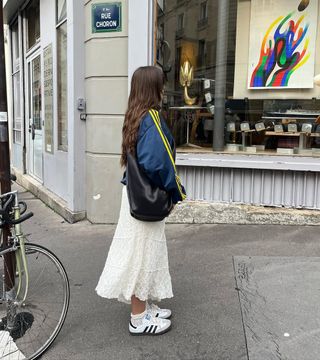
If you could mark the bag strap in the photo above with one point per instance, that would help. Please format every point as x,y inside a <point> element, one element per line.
<point>156,119</point>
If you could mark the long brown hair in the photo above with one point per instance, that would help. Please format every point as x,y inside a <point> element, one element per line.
<point>146,90</point>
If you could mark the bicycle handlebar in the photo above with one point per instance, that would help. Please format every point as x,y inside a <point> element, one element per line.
<point>21,219</point>
<point>5,218</point>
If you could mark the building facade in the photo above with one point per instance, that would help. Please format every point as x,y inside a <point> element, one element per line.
<point>45,58</point>
<point>241,97</point>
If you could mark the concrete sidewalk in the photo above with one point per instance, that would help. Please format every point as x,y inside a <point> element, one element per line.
<point>207,322</point>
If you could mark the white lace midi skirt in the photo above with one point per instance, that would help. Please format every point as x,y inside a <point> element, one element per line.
<point>137,262</point>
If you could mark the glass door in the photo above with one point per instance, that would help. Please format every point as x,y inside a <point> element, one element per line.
<point>35,120</point>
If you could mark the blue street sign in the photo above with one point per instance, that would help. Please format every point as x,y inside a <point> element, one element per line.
<point>106,17</point>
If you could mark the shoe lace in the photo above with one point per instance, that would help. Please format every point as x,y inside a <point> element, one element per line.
<point>153,309</point>
<point>154,320</point>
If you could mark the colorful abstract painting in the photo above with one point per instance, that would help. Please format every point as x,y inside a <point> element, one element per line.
<point>282,44</point>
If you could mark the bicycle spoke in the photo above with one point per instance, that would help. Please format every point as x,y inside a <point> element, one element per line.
<point>41,315</point>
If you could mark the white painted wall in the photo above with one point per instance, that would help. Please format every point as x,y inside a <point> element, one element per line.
<point>76,89</point>
<point>64,172</point>
<point>111,59</point>
<point>140,45</point>
<point>55,171</point>
<point>106,82</point>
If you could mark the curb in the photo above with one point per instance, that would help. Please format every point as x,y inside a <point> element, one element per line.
<point>201,212</point>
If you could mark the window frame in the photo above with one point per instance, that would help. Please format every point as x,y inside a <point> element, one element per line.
<point>60,146</point>
<point>58,23</point>
<point>201,27</point>
<point>16,71</point>
<point>203,14</point>
<point>36,45</point>
<point>180,24</point>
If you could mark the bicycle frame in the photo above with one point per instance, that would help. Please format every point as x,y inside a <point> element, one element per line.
<point>25,312</point>
<point>18,247</point>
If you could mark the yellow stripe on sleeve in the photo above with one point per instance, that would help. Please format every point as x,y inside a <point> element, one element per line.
<point>157,122</point>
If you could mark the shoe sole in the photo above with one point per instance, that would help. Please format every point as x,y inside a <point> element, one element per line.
<point>166,318</point>
<point>151,334</point>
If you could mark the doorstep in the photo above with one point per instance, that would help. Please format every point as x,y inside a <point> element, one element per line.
<point>57,204</point>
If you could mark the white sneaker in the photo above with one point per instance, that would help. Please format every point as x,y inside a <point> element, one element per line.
<point>158,312</point>
<point>149,325</point>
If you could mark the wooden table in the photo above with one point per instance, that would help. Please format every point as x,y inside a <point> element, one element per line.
<point>302,136</point>
<point>184,109</point>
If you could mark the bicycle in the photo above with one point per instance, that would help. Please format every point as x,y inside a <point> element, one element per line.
<point>34,288</point>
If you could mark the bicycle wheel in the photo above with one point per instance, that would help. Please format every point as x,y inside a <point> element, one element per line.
<point>29,329</point>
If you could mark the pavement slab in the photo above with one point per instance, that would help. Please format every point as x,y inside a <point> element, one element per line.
<point>207,321</point>
<point>280,299</point>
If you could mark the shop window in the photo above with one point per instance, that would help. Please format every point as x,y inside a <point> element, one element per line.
<point>62,87</point>
<point>268,101</point>
<point>15,46</point>
<point>61,10</point>
<point>48,97</point>
<point>36,94</point>
<point>33,23</point>
<point>17,121</point>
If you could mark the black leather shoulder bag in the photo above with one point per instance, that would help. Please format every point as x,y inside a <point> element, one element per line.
<point>147,201</point>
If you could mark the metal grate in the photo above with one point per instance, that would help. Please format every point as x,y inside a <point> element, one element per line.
<point>293,189</point>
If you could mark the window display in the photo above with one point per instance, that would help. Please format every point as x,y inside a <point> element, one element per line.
<point>243,71</point>
<point>33,23</point>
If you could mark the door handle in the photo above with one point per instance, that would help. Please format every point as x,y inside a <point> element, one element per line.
<point>32,131</point>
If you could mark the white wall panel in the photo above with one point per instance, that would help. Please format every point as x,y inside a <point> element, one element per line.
<point>293,189</point>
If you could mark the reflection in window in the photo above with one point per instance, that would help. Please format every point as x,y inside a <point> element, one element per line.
<point>61,10</point>
<point>33,23</point>
<point>190,45</point>
<point>180,22</point>
<point>17,118</point>
<point>203,10</point>
<point>201,53</point>
<point>36,93</point>
<point>62,87</point>
<point>15,46</point>
<point>255,120</point>
<point>17,121</point>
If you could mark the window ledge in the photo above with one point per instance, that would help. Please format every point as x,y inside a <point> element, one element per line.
<point>252,161</point>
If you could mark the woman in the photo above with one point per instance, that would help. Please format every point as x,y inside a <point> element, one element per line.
<point>136,268</point>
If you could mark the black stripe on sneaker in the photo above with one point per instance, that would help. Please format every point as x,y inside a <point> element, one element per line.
<point>155,329</point>
<point>150,330</point>
<point>132,325</point>
<point>146,329</point>
<point>157,315</point>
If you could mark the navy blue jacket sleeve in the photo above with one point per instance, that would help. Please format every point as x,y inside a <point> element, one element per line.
<point>154,159</point>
